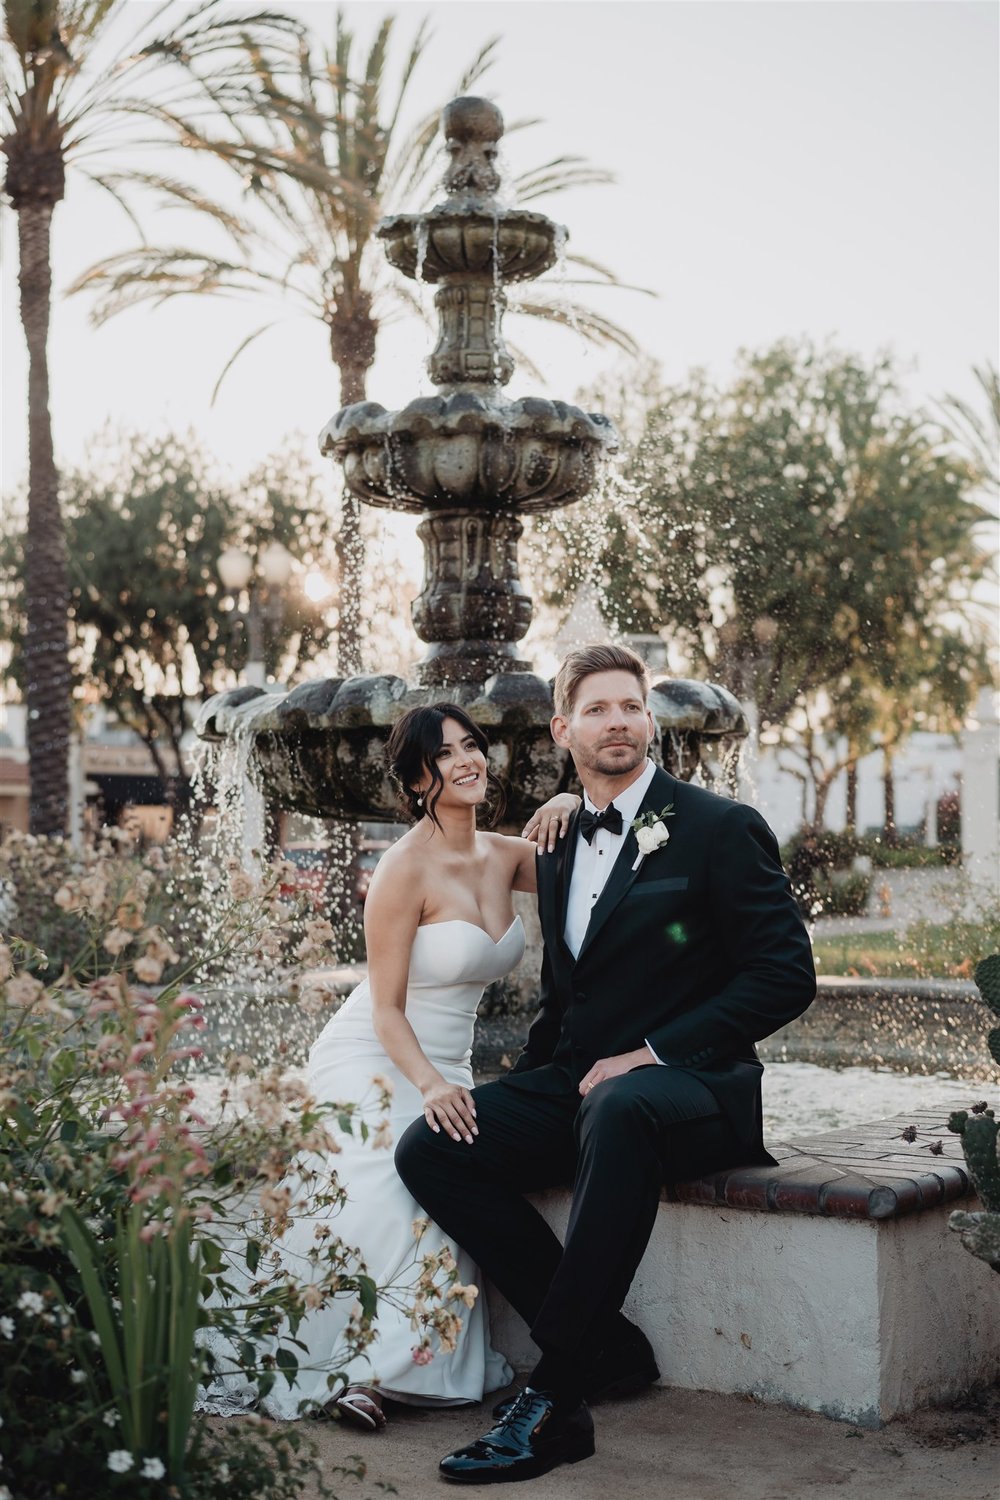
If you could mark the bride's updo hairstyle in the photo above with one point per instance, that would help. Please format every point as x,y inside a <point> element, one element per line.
<point>412,750</point>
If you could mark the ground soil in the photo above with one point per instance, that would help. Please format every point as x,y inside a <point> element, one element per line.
<point>689,1445</point>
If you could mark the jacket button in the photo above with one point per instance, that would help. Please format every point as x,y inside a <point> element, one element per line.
<point>580,997</point>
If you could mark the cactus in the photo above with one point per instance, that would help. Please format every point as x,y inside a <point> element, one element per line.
<point>987,978</point>
<point>980,1231</point>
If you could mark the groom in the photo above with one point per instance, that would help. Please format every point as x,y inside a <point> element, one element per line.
<point>661,969</point>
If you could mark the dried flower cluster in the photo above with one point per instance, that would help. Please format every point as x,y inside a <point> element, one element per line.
<point>121,1204</point>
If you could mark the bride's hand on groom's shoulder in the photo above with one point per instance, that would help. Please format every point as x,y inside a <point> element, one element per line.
<point>450,1107</point>
<point>549,822</point>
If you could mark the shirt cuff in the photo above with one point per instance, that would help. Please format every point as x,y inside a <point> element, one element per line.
<point>655,1057</point>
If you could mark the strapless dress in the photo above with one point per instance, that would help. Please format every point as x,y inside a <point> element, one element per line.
<point>451,964</point>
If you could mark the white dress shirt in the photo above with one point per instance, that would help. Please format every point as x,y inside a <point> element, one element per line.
<point>592,865</point>
<point>593,861</point>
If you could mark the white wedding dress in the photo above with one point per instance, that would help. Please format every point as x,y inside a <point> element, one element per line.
<point>450,965</point>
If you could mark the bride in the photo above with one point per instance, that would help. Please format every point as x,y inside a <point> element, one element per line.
<point>439,927</point>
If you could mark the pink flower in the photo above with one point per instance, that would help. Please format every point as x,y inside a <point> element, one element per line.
<point>421,1355</point>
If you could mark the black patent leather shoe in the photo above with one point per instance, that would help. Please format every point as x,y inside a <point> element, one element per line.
<point>536,1434</point>
<point>620,1369</point>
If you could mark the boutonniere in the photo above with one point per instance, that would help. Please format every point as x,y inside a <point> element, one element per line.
<point>651,832</point>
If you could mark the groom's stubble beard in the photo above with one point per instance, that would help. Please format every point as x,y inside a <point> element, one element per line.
<point>604,761</point>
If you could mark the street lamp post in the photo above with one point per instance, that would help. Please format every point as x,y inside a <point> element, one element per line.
<point>262,615</point>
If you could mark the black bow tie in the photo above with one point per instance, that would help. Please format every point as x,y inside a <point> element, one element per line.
<point>590,822</point>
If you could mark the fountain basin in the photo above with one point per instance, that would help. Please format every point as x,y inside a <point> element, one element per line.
<point>509,244</point>
<point>469,449</point>
<point>319,749</point>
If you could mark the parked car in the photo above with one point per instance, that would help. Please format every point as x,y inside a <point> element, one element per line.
<point>314,870</point>
<point>368,856</point>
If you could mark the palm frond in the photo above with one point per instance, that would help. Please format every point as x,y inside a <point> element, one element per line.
<point>558,176</point>
<point>182,195</point>
<point>591,325</point>
<point>111,184</point>
<point>155,275</point>
<point>245,344</point>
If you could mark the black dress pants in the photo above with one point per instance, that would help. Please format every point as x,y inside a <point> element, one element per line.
<point>617,1147</point>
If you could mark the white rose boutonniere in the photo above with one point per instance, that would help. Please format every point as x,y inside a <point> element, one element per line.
<point>651,832</point>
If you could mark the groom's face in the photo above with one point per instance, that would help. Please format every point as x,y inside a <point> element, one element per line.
<point>609,729</point>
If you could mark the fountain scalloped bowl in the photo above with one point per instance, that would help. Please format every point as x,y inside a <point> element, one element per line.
<point>320,748</point>
<point>513,244</point>
<point>470,449</point>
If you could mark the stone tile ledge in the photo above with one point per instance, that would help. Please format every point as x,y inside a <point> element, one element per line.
<point>859,1172</point>
<point>850,987</point>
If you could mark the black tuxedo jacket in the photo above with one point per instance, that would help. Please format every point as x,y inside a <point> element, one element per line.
<point>701,952</point>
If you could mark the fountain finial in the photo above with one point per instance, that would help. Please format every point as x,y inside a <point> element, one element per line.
<point>472,127</point>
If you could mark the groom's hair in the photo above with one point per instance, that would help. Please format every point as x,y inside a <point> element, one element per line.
<point>587,660</point>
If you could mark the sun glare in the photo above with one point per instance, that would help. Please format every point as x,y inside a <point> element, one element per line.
<point>316,587</point>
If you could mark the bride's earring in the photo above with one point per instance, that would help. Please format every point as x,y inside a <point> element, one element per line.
<point>420,801</point>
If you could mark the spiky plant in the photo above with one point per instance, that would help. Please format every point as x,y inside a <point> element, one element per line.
<point>980,1134</point>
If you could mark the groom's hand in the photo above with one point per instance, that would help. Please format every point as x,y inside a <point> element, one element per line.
<point>611,1067</point>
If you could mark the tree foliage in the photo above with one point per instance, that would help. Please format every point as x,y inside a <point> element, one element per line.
<point>152,626</point>
<point>804,538</point>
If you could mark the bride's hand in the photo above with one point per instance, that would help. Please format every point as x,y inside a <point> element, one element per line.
<point>550,821</point>
<point>450,1105</point>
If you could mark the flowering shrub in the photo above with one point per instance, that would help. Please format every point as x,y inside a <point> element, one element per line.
<point>122,1208</point>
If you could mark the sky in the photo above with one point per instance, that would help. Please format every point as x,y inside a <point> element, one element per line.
<point>826,170</point>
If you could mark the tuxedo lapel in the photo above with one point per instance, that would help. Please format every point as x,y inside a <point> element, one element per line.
<point>658,794</point>
<point>566,857</point>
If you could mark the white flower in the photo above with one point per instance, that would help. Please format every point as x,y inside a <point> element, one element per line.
<point>117,939</point>
<point>77,1376</point>
<point>110,1419</point>
<point>147,969</point>
<point>651,833</point>
<point>646,839</point>
<point>120,1461</point>
<point>23,989</point>
<point>31,1302</point>
<point>152,1468</point>
<point>7,1328</point>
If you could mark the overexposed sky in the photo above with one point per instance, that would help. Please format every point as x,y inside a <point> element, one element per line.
<point>827,169</point>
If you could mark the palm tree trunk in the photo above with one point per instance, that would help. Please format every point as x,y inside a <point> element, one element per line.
<point>353,331</point>
<point>851,816</point>
<point>46,650</point>
<point>889,834</point>
<point>350,545</point>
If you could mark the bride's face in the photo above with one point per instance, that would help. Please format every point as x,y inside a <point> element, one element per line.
<point>462,768</point>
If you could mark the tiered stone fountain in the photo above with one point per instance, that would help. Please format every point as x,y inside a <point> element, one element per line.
<point>470,462</point>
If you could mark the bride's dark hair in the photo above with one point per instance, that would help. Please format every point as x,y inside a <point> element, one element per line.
<point>412,749</point>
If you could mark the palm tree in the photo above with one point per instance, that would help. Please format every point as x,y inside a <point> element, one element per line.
<point>63,100</point>
<point>321,156</point>
<point>978,433</point>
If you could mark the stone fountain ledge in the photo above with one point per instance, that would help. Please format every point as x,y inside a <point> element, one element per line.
<point>829,1281</point>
